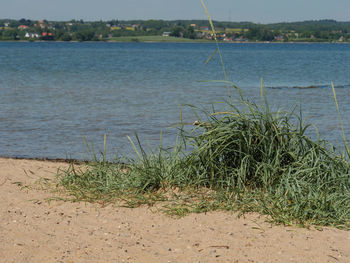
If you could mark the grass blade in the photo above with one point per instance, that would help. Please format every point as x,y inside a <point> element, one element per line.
<point>340,121</point>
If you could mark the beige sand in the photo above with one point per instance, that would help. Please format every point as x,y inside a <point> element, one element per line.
<point>33,230</point>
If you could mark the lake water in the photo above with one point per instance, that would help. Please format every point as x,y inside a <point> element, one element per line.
<point>53,94</point>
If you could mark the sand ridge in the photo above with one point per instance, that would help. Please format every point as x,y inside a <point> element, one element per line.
<point>34,230</point>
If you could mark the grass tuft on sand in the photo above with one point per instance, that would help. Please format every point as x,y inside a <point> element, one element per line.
<point>246,159</point>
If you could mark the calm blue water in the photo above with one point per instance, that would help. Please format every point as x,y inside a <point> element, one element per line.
<point>52,94</point>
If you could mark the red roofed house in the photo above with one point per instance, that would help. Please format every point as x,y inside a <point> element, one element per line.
<point>23,27</point>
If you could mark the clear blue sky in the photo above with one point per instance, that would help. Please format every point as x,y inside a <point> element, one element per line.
<point>261,11</point>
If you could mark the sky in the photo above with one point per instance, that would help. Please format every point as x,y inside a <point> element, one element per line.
<point>258,11</point>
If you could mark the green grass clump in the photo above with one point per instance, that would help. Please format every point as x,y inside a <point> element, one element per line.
<point>246,159</point>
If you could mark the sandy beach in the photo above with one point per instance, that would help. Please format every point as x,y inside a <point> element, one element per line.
<point>33,229</point>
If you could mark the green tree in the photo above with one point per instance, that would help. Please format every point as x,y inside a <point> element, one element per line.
<point>189,33</point>
<point>266,35</point>
<point>9,35</point>
<point>177,31</point>
<point>85,35</point>
<point>66,37</point>
<point>58,34</point>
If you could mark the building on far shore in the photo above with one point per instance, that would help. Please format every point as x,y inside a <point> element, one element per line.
<point>23,27</point>
<point>31,35</point>
<point>166,34</point>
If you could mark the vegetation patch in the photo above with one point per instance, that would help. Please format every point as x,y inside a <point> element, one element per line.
<point>79,30</point>
<point>246,159</point>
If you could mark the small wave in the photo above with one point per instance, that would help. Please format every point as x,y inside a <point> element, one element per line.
<point>308,87</point>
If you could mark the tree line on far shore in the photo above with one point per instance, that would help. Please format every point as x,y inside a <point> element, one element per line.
<point>79,30</point>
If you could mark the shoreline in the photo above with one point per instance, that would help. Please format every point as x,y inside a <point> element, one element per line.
<point>174,42</point>
<point>45,159</point>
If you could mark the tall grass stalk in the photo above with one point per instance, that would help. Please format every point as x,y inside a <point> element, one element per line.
<point>340,121</point>
<point>217,43</point>
<point>262,91</point>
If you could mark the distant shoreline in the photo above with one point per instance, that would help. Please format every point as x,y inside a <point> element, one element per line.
<point>175,42</point>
